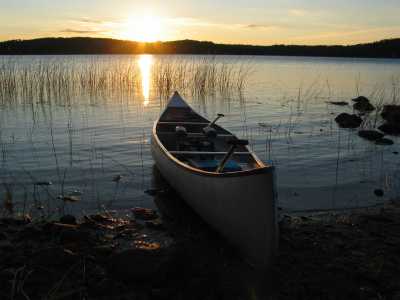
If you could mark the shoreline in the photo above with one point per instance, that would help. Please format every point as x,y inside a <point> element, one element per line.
<point>177,256</point>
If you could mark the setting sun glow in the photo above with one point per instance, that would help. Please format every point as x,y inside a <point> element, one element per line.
<point>143,28</point>
<point>145,63</point>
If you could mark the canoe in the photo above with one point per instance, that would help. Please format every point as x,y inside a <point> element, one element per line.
<point>220,178</point>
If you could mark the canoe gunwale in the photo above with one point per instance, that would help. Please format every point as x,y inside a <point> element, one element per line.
<point>262,169</point>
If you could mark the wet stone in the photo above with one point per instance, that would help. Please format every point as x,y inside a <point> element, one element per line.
<point>384,142</point>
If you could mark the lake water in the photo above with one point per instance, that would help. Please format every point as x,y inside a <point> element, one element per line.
<point>83,123</point>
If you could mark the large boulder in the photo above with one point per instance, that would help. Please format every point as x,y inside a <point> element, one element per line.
<point>346,120</point>
<point>371,135</point>
<point>391,113</point>
<point>390,128</point>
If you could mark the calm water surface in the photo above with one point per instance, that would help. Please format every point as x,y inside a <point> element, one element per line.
<point>87,128</point>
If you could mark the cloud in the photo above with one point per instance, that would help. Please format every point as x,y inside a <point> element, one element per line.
<point>80,31</point>
<point>88,20</point>
<point>349,36</point>
<point>298,12</point>
<point>260,26</point>
<point>92,21</point>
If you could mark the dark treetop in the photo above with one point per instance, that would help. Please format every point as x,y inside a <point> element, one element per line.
<point>84,45</point>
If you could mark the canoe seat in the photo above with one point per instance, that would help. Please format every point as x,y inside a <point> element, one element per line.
<point>212,164</point>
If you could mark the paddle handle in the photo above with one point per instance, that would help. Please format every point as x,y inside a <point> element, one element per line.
<point>216,119</point>
<point>225,159</point>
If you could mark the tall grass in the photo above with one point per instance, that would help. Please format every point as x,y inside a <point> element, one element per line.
<point>61,82</point>
<point>200,76</point>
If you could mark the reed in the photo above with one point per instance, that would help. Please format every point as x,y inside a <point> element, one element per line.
<point>200,76</point>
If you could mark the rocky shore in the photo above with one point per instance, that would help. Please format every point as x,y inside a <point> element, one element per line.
<point>176,256</point>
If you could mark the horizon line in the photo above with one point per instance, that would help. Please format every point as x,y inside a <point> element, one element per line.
<point>193,40</point>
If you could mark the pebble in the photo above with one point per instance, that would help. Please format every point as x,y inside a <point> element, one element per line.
<point>379,192</point>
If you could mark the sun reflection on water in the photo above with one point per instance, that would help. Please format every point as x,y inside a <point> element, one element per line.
<point>145,63</point>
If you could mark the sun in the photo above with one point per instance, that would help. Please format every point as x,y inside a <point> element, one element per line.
<point>146,28</point>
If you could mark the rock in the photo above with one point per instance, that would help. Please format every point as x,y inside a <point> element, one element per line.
<point>379,192</point>
<point>364,106</point>
<point>391,113</point>
<point>346,120</point>
<point>360,99</point>
<point>390,128</point>
<point>340,103</point>
<point>371,135</point>
<point>384,142</point>
<point>144,213</point>
<point>68,219</point>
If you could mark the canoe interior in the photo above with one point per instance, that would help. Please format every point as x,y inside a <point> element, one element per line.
<point>196,149</point>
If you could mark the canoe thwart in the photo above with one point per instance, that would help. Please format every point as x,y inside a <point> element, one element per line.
<point>207,153</point>
<point>237,142</point>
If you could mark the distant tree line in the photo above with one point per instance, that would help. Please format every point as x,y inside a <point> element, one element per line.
<point>84,45</point>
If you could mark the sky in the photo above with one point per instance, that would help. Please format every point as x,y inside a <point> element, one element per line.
<point>261,22</point>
